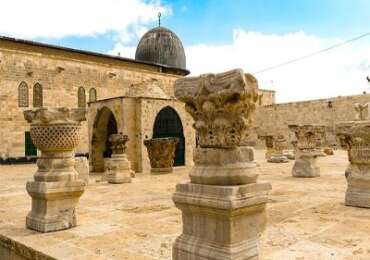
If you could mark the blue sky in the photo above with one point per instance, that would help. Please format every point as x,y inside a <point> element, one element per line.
<point>218,35</point>
<point>212,21</point>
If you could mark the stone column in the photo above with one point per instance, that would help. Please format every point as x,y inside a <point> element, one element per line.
<point>309,139</point>
<point>355,138</point>
<point>223,206</point>
<point>161,152</point>
<point>275,148</point>
<point>118,167</point>
<point>56,188</point>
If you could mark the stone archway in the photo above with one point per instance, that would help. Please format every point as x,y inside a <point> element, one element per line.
<point>105,124</point>
<point>168,124</point>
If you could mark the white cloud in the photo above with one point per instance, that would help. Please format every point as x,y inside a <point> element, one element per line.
<point>57,19</point>
<point>341,71</point>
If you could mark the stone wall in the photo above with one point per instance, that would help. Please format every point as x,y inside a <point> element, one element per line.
<point>275,118</point>
<point>61,73</point>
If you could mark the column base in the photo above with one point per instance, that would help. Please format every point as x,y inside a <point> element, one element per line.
<point>306,166</point>
<point>278,159</point>
<point>118,169</point>
<point>53,205</point>
<point>358,190</point>
<point>161,170</point>
<point>220,222</point>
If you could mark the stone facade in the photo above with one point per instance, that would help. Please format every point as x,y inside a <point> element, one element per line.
<point>56,187</point>
<point>60,73</point>
<point>222,191</point>
<point>328,112</point>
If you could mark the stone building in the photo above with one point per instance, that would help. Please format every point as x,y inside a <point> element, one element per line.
<point>34,74</point>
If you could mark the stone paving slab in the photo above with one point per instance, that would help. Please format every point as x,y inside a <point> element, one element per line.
<point>307,218</point>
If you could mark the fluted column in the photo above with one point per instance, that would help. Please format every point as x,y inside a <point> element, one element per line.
<point>56,188</point>
<point>223,206</point>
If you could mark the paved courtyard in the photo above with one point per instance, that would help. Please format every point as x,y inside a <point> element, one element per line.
<point>306,217</point>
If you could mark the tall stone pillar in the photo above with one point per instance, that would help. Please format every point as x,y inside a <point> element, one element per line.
<point>274,148</point>
<point>161,152</point>
<point>307,149</point>
<point>354,136</point>
<point>56,188</point>
<point>223,206</point>
<point>118,167</point>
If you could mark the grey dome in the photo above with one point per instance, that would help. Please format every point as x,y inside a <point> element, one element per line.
<point>163,47</point>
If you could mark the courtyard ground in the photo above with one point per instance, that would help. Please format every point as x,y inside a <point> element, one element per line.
<point>307,218</point>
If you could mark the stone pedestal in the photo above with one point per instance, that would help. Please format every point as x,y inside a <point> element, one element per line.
<point>118,167</point>
<point>56,188</point>
<point>223,207</point>
<point>354,136</point>
<point>82,168</point>
<point>161,152</point>
<point>307,149</point>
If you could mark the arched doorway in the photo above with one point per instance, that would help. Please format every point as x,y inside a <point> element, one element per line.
<point>168,124</point>
<point>105,124</point>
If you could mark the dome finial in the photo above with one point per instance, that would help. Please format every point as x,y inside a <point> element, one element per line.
<point>159,19</point>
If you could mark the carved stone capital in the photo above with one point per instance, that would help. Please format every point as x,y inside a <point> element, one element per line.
<point>118,142</point>
<point>221,106</point>
<point>308,137</point>
<point>354,136</point>
<point>161,153</point>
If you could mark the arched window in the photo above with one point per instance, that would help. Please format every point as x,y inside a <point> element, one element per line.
<point>37,95</point>
<point>92,95</point>
<point>81,97</point>
<point>23,98</point>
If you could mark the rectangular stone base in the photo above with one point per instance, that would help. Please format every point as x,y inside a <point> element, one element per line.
<point>358,199</point>
<point>53,205</point>
<point>220,222</point>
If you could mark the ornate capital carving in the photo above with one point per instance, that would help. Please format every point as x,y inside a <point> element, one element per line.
<point>55,115</point>
<point>221,106</point>
<point>362,111</point>
<point>161,152</point>
<point>309,137</point>
<point>355,138</point>
<point>118,142</point>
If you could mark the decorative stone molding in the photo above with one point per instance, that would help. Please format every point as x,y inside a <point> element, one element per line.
<point>56,188</point>
<point>161,152</point>
<point>118,167</point>
<point>354,136</point>
<point>307,149</point>
<point>274,148</point>
<point>221,106</point>
<point>223,190</point>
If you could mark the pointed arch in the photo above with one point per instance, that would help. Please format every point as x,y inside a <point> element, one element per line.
<point>81,95</point>
<point>92,95</point>
<point>37,95</point>
<point>168,124</point>
<point>23,95</point>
